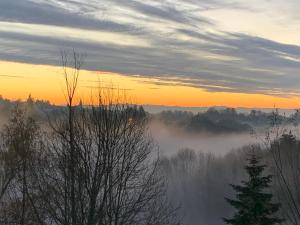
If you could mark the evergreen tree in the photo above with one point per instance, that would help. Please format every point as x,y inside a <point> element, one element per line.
<point>253,205</point>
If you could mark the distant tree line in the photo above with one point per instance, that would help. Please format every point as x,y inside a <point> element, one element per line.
<point>223,120</point>
<point>213,120</point>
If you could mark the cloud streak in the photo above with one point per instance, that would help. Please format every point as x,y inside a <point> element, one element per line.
<point>170,41</point>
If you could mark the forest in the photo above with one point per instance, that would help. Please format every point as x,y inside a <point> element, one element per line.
<point>117,169</point>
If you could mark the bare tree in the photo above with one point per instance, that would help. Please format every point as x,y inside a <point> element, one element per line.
<point>98,166</point>
<point>71,78</point>
<point>19,146</point>
<point>8,170</point>
<point>285,160</point>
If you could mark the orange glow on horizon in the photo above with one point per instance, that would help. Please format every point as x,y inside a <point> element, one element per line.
<point>18,80</point>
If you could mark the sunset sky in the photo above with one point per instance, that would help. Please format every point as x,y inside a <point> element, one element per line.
<point>233,53</point>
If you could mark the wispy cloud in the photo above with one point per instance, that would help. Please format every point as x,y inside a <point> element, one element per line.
<point>174,41</point>
<point>11,76</point>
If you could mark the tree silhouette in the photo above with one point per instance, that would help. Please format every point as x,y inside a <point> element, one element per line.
<point>254,206</point>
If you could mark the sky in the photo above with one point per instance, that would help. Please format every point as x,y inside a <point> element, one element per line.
<point>233,53</point>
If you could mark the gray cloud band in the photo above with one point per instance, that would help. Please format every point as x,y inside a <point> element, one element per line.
<point>228,62</point>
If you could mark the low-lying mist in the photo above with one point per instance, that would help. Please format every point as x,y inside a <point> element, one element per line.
<point>170,139</point>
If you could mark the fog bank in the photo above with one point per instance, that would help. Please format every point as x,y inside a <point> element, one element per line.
<point>170,139</point>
